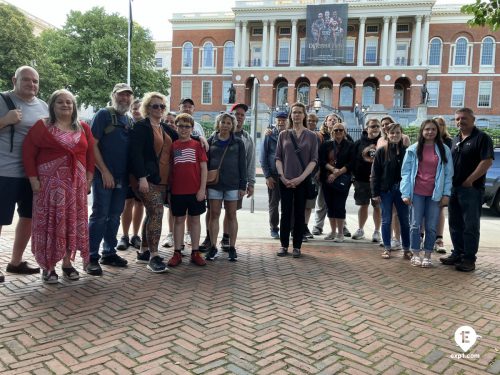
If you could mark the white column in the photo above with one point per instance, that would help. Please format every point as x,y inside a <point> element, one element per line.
<point>361,41</point>
<point>392,42</point>
<point>272,43</point>
<point>237,44</point>
<point>425,40</point>
<point>265,39</point>
<point>417,42</point>
<point>244,45</point>
<point>293,48</point>
<point>385,42</point>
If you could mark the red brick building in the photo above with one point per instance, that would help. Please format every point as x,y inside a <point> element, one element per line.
<point>392,49</point>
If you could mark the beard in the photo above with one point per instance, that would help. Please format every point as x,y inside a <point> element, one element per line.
<point>121,108</point>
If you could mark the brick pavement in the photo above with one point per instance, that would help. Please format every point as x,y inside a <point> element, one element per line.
<point>339,309</point>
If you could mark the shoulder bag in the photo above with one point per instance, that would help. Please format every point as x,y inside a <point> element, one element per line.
<point>342,183</point>
<point>311,187</point>
<point>213,174</point>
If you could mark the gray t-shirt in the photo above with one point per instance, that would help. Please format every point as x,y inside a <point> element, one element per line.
<point>11,163</point>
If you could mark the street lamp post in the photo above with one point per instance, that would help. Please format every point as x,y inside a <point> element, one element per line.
<point>317,104</point>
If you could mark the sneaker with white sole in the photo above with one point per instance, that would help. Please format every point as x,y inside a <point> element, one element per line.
<point>339,238</point>
<point>359,234</point>
<point>156,265</point>
<point>395,244</point>
<point>168,241</point>
<point>329,237</point>
<point>426,263</point>
<point>376,236</point>
<point>416,261</point>
<point>187,238</point>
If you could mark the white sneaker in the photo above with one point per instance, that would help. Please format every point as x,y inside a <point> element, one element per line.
<point>330,236</point>
<point>376,236</point>
<point>416,261</point>
<point>395,244</point>
<point>358,235</point>
<point>339,238</point>
<point>168,241</point>
<point>187,238</point>
<point>426,263</point>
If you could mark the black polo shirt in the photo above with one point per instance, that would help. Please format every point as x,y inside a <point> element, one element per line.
<point>468,153</point>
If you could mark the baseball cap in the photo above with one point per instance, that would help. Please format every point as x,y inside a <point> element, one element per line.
<point>189,100</point>
<point>282,114</point>
<point>121,87</point>
<point>239,105</point>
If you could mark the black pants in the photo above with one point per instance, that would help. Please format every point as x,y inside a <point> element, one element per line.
<point>293,203</point>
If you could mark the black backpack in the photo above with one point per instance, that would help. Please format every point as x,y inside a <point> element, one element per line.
<point>10,105</point>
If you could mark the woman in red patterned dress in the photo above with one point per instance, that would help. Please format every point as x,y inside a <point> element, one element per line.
<point>58,159</point>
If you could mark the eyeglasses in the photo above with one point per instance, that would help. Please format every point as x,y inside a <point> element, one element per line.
<point>374,126</point>
<point>184,126</point>
<point>158,106</point>
<point>338,130</point>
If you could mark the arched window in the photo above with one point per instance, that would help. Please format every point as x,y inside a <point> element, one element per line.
<point>229,55</point>
<point>461,51</point>
<point>208,60</point>
<point>488,51</point>
<point>346,95</point>
<point>369,91</point>
<point>303,93</point>
<point>282,94</point>
<point>435,52</point>
<point>187,55</point>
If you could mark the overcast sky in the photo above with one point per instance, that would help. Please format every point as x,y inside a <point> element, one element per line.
<point>151,14</point>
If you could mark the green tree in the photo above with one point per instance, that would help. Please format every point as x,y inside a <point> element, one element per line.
<point>17,43</point>
<point>485,13</point>
<point>91,53</point>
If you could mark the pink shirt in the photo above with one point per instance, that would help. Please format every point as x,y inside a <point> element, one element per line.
<point>426,174</point>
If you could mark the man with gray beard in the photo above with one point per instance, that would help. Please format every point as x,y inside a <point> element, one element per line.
<point>110,128</point>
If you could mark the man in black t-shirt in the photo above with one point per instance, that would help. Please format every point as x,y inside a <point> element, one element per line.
<point>472,152</point>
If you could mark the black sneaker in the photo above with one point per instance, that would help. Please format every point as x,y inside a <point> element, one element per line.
<point>94,268</point>
<point>205,245</point>
<point>156,265</point>
<point>283,252</point>
<point>143,258</point>
<point>135,241</point>
<point>304,238</point>
<point>232,254</point>
<point>123,244</point>
<point>451,260</point>
<point>2,277</point>
<point>317,231</point>
<point>346,232</point>
<point>114,260</point>
<point>212,253</point>
<point>296,253</point>
<point>466,266</point>
<point>224,244</point>
<point>307,233</point>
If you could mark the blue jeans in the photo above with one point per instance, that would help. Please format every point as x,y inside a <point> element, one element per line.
<point>464,214</point>
<point>423,207</point>
<point>104,221</point>
<point>388,199</point>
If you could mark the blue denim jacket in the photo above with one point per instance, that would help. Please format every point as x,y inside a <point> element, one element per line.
<point>444,174</point>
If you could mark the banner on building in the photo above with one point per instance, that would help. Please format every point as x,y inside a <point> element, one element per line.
<point>326,34</point>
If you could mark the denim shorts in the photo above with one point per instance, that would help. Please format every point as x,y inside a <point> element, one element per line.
<point>229,195</point>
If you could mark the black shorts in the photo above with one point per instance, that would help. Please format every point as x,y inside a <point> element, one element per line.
<point>131,194</point>
<point>363,194</point>
<point>15,190</point>
<point>179,204</point>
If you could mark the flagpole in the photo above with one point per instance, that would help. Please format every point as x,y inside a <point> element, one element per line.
<point>129,40</point>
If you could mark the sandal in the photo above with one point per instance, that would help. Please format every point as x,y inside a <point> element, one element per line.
<point>386,254</point>
<point>49,277</point>
<point>69,273</point>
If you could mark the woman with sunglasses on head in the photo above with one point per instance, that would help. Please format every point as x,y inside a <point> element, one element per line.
<point>426,176</point>
<point>334,159</point>
<point>384,181</point>
<point>362,160</point>
<point>149,159</point>
<point>296,157</point>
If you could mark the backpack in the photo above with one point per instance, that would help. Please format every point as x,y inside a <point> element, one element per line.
<point>10,106</point>
<point>114,121</point>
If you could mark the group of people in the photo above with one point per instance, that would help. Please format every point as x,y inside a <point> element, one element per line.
<point>408,186</point>
<point>133,157</point>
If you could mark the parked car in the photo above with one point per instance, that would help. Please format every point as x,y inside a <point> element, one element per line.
<point>492,185</point>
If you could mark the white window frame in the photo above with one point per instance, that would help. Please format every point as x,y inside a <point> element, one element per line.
<point>187,69</point>
<point>225,92</point>
<point>255,44</point>
<point>351,42</point>
<point>186,89</point>
<point>280,43</point>
<point>435,68</point>
<point>467,68</point>
<point>430,88</point>
<point>228,68</point>
<point>302,50</point>
<point>367,42</point>
<point>487,85</point>
<point>490,68</point>
<point>210,93</point>
<point>208,69</point>
<point>406,42</point>
<point>453,86</point>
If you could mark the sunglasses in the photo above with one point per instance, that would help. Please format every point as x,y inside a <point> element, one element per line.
<point>184,126</point>
<point>158,106</point>
<point>338,130</point>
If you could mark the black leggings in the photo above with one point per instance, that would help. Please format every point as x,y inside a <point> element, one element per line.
<point>335,202</point>
<point>293,202</point>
